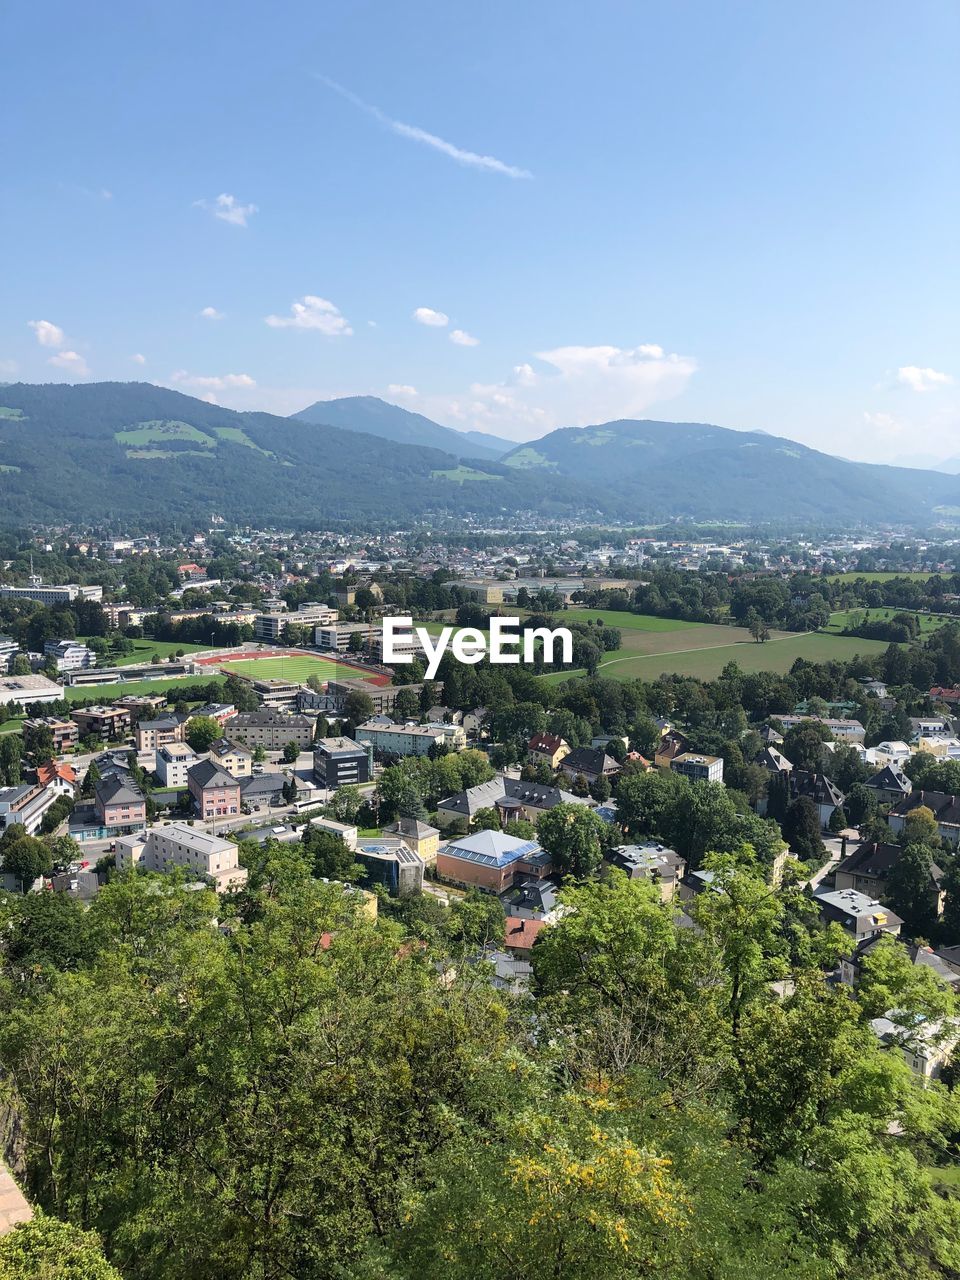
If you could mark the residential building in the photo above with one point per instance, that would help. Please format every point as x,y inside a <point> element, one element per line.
<point>215,793</point>
<point>511,797</point>
<point>654,862</point>
<point>671,744</point>
<point>521,933</point>
<point>548,749</point>
<point>233,757</point>
<point>25,804</point>
<point>27,690</point>
<point>927,1045</point>
<point>219,711</point>
<point>174,759</point>
<point>889,785</point>
<point>120,806</point>
<point>773,761</point>
<point>61,779</point>
<point>269,626</point>
<point>341,762</point>
<point>383,696</point>
<point>270,729</point>
<point>9,649</point>
<point>391,862</point>
<point>345,830</point>
<point>420,836</point>
<point>588,762</point>
<point>859,914</point>
<point>698,768</point>
<point>826,796</point>
<point>151,735</point>
<point>454,735</point>
<point>945,809</point>
<point>69,655</point>
<point>48,594</point>
<point>848,731</point>
<point>262,790</point>
<point>401,740</point>
<point>337,636</point>
<point>491,860</point>
<point>109,723</point>
<point>177,845</point>
<point>65,733</point>
<point>867,869</point>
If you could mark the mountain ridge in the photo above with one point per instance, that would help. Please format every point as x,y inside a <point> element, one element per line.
<point>390,421</point>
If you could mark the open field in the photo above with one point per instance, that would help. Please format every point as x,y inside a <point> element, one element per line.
<point>134,688</point>
<point>878,576</point>
<point>703,651</point>
<point>143,651</point>
<point>626,621</point>
<point>299,668</point>
<point>928,621</point>
<point>13,725</point>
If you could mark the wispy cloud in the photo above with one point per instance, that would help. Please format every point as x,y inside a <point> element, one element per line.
<point>922,379</point>
<point>47,334</point>
<point>229,209</point>
<point>211,313</point>
<point>316,313</point>
<point>433,319</point>
<point>472,159</point>
<point>138,358</point>
<point>460,338</point>
<point>213,382</point>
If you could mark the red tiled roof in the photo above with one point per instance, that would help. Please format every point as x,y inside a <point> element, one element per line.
<point>47,772</point>
<point>522,934</point>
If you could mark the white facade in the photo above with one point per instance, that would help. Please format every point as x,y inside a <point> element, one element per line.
<point>70,655</point>
<point>173,761</point>
<point>178,845</point>
<point>27,689</point>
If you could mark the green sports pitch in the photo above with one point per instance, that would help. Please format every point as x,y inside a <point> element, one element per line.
<point>299,669</point>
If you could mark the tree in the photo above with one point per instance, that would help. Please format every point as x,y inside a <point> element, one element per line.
<point>11,769</point>
<point>357,706</point>
<point>38,742</point>
<point>355,642</point>
<point>346,803</point>
<point>580,786</point>
<point>912,892</point>
<point>24,857</point>
<point>486,820</point>
<point>202,733</point>
<point>600,788</point>
<point>407,705</point>
<point>803,745</point>
<point>47,1249</point>
<point>920,827</point>
<point>572,834</point>
<point>21,665</point>
<point>801,828</point>
<point>330,858</point>
<point>259,754</point>
<point>476,921</point>
<point>890,980</point>
<point>291,752</point>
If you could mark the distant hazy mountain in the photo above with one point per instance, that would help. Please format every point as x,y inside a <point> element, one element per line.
<point>390,422</point>
<point>950,466</point>
<point>139,454</point>
<point>713,473</point>
<point>133,452</point>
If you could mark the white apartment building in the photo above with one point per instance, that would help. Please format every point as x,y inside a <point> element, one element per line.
<point>178,845</point>
<point>70,655</point>
<point>269,626</point>
<point>401,739</point>
<point>337,636</point>
<point>27,689</point>
<point>24,805</point>
<point>8,651</point>
<point>173,761</point>
<point>50,594</point>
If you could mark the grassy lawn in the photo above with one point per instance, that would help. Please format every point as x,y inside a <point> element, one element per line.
<point>143,651</point>
<point>928,621</point>
<point>135,688</point>
<point>626,621</point>
<point>299,669</point>
<point>705,650</point>
<point>12,726</point>
<point>878,577</point>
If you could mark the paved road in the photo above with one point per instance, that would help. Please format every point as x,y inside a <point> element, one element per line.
<point>834,852</point>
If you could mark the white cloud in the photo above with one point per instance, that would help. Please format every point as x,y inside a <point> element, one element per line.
<point>48,335</point>
<point>72,362</point>
<point>312,312</point>
<point>885,423</point>
<point>461,338</point>
<point>471,159</point>
<point>138,358</point>
<point>211,313</point>
<point>229,209</point>
<point>216,382</point>
<point>427,316</point>
<point>401,389</point>
<point>578,386</point>
<point>922,379</point>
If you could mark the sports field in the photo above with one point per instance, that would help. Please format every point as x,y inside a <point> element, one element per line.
<point>928,621</point>
<point>299,667</point>
<point>626,621</point>
<point>135,688</point>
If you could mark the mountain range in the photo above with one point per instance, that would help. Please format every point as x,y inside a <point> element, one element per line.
<point>141,454</point>
<point>390,422</point>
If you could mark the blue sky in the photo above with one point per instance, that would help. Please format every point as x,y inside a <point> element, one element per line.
<point>741,213</point>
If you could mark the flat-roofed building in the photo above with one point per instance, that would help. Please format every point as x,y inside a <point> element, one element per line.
<point>151,735</point>
<point>341,762</point>
<point>177,845</point>
<point>698,768</point>
<point>337,636</point>
<point>270,729</point>
<point>103,722</point>
<point>173,761</point>
<point>28,689</point>
<point>47,593</point>
<point>69,655</point>
<point>65,733</point>
<point>25,804</point>
<point>391,862</point>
